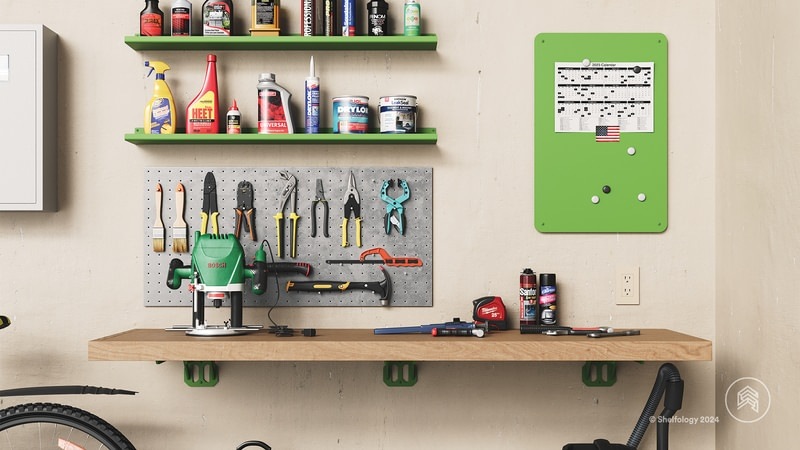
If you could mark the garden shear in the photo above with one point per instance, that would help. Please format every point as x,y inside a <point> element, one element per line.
<point>244,210</point>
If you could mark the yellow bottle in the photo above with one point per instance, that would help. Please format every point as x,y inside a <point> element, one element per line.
<point>159,114</point>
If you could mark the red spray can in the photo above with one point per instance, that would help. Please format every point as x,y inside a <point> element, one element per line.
<point>528,301</point>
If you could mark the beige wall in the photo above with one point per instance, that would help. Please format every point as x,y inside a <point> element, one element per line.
<point>757,214</point>
<point>75,275</point>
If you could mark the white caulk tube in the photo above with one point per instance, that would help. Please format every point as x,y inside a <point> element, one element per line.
<point>312,100</point>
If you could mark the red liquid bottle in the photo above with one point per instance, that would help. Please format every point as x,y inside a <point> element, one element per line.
<point>151,19</point>
<point>202,114</point>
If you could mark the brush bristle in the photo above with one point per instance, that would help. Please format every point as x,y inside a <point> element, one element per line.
<point>158,239</point>
<point>180,245</point>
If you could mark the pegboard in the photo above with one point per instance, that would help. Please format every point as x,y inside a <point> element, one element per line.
<point>600,140</point>
<point>412,286</point>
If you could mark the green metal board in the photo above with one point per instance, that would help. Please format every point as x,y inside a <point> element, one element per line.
<point>600,132</point>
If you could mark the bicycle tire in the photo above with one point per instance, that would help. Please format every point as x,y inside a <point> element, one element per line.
<point>45,423</point>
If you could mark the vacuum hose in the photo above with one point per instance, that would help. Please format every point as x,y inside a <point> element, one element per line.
<point>669,381</point>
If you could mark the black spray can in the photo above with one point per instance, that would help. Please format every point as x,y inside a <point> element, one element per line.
<point>547,299</point>
<point>527,298</point>
<point>377,18</point>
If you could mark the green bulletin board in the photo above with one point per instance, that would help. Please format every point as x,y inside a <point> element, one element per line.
<point>600,132</point>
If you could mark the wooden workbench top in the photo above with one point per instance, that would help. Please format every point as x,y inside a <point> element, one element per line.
<point>364,345</point>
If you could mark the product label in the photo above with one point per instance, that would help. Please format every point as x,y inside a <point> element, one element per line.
<point>398,115</point>
<point>312,108</point>
<point>160,122</point>
<point>181,18</point>
<point>234,123</point>
<point>308,24</point>
<point>151,25</point>
<point>271,113</point>
<point>527,304</point>
<point>265,12</point>
<point>350,116</point>
<point>202,117</point>
<point>377,24</point>
<point>217,19</point>
<point>348,18</point>
<point>547,300</point>
<point>411,20</point>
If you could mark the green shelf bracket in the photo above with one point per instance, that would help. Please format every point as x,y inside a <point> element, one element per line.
<point>200,373</point>
<point>599,373</point>
<point>399,373</point>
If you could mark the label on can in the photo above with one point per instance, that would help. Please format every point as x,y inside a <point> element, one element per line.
<point>181,21</point>
<point>151,24</point>
<point>348,17</point>
<point>271,112</point>
<point>217,19</point>
<point>350,115</point>
<point>312,106</point>
<point>547,302</point>
<point>398,114</point>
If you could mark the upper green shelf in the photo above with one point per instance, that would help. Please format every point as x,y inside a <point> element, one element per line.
<point>288,43</point>
<point>249,136</point>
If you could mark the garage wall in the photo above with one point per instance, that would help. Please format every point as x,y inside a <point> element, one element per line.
<point>76,275</point>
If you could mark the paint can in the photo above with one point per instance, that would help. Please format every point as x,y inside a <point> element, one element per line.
<point>398,114</point>
<point>350,114</point>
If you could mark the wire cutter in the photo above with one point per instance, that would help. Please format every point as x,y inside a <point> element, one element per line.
<point>395,205</point>
<point>290,190</point>
<point>319,198</point>
<point>352,205</point>
<point>210,210</point>
<point>245,210</point>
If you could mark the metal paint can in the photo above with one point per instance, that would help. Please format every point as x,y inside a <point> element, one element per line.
<point>398,114</point>
<point>350,114</point>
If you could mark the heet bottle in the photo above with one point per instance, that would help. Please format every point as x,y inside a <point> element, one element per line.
<point>202,114</point>
<point>151,19</point>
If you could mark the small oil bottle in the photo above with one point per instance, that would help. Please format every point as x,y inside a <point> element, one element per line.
<point>151,19</point>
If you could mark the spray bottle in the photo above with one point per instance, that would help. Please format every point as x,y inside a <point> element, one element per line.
<point>159,114</point>
<point>274,116</point>
<point>312,100</point>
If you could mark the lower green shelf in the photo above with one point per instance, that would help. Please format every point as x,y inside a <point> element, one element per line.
<point>250,136</point>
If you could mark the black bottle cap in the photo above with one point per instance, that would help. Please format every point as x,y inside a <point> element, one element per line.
<point>528,271</point>
<point>547,279</point>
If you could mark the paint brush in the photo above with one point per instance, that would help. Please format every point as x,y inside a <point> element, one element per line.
<point>180,243</point>
<point>158,226</point>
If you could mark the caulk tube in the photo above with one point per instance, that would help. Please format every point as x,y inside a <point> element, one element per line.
<point>312,100</point>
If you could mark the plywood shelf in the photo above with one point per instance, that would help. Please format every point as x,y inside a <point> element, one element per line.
<point>363,345</point>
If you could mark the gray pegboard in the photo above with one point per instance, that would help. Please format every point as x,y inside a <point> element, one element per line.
<point>412,286</point>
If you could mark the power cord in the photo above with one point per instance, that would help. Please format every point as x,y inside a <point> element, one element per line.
<point>278,330</point>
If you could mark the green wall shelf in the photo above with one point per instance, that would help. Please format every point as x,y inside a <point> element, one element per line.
<point>384,43</point>
<point>249,136</point>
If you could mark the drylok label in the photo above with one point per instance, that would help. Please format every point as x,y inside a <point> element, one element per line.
<point>350,115</point>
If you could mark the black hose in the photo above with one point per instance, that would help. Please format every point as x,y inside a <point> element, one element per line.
<point>667,373</point>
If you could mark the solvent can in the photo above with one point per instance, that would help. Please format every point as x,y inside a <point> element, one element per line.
<point>547,299</point>
<point>527,298</point>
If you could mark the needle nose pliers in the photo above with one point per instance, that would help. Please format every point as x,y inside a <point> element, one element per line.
<point>352,205</point>
<point>245,210</point>
<point>290,190</point>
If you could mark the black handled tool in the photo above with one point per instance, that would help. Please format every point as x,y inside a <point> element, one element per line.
<point>319,198</point>
<point>382,288</point>
<point>615,333</point>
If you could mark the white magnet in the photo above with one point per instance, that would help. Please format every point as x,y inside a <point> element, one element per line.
<point>631,151</point>
<point>642,197</point>
<point>586,62</point>
<point>595,199</point>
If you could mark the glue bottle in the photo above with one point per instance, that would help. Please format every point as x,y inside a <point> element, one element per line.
<point>312,100</point>
<point>233,120</point>
<point>159,114</point>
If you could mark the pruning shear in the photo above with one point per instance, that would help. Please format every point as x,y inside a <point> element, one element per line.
<point>244,210</point>
<point>290,190</point>
<point>210,210</point>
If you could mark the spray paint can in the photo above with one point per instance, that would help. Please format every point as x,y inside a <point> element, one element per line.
<point>527,298</point>
<point>348,17</point>
<point>312,100</point>
<point>547,299</point>
<point>411,18</point>
<point>377,18</point>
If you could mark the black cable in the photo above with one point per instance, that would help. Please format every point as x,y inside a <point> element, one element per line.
<point>279,330</point>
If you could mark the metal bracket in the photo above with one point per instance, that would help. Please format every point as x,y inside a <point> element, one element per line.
<point>200,373</point>
<point>399,373</point>
<point>599,373</point>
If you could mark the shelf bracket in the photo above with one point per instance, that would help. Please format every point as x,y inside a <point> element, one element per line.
<point>399,373</point>
<point>200,373</point>
<point>599,373</point>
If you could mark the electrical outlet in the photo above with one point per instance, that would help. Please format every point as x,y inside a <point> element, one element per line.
<point>628,285</point>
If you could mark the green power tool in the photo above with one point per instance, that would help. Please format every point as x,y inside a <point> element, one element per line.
<point>218,272</point>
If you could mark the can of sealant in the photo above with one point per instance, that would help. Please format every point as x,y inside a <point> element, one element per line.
<point>527,298</point>
<point>350,114</point>
<point>398,114</point>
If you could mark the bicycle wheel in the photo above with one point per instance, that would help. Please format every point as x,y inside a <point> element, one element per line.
<point>50,426</point>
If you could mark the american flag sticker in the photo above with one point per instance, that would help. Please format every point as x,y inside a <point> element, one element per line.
<point>606,133</point>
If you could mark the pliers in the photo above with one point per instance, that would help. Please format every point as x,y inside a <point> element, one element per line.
<point>395,205</point>
<point>352,205</point>
<point>244,210</point>
<point>319,198</point>
<point>290,190</point>
<point>210,210</point>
